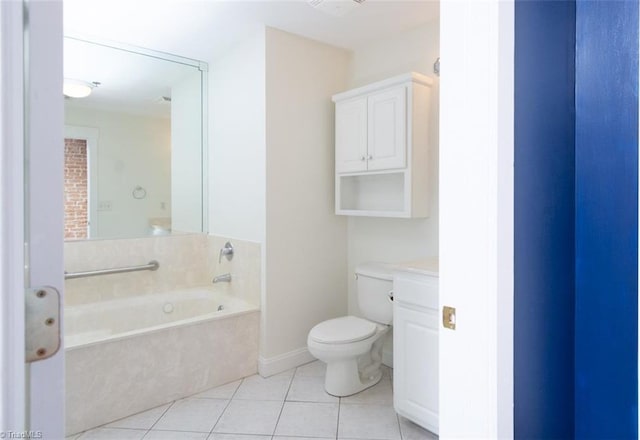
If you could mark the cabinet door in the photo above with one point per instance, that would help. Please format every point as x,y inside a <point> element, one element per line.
<point>351,135</point>
<point>415,359</point>
<point>387,132</point>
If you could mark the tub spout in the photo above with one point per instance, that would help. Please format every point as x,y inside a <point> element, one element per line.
<point>224,278</point>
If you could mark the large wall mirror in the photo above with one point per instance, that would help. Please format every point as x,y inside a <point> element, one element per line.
<point>135,143</point>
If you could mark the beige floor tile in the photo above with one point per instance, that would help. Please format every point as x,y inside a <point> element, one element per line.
<point>249,417</point>
<point>308,419</point>
<point>370,422</point>
<point>196,415</point>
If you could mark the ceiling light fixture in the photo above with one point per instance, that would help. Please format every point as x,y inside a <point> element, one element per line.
<point>75,88</point>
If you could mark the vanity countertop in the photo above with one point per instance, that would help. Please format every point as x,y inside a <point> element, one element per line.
<point>425,266</point>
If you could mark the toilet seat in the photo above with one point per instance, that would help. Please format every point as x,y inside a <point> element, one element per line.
<point>342,330</point>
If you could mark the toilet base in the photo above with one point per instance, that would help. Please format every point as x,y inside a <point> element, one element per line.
<point>343,379</point>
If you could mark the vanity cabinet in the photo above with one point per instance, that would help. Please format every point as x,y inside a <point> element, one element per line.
<point>415,348</point>
<point>381,148</point>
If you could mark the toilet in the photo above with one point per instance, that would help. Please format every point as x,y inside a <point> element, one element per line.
<point>351,346</point>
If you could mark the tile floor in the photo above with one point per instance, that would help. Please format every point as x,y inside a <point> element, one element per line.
<point>289,406</point>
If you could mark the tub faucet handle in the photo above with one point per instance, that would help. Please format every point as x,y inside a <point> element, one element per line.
<point>227,251</point>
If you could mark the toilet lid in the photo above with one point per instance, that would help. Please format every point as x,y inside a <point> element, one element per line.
<point>342,330</point>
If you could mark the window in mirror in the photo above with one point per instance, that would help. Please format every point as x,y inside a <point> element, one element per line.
<point>76,218</point>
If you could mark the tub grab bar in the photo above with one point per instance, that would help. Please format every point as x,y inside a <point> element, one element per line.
<point>152,265</point>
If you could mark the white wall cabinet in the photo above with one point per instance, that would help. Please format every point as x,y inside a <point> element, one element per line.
<point>387,129</point>
<point>382,148</point>
<point>371,132</point>
<point>415,348</point>
<point>351,135</point>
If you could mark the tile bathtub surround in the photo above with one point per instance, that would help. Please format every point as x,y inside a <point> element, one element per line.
<point>186,260</point>
<point>182,261</point>
<point>288,406</point>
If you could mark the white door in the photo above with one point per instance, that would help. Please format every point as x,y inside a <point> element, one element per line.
<point>387,133</point>
<point>476,217</point>
<point>32,394</point>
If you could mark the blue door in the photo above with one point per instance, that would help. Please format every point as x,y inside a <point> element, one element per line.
<point>576,219</point>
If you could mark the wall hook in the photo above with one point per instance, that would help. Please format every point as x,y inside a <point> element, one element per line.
<point>139,192</point>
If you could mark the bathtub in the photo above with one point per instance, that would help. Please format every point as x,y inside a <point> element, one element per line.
<point>128,355</point>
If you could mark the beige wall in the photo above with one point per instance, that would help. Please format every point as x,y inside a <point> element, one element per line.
<point>272,180</point>
<point>272,168</point>
<point>237,141</point>
<point>396,240</point>
<point>306,260</point>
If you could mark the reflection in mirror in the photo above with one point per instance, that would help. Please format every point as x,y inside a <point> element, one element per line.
<point>134,147</point>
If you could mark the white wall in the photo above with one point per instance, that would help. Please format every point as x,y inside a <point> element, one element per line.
<point>306,261</point>
<point>186,154</point>
<point>237,141</point>
<point>272,174</point>
<point>132,150</point>
<point>396,240</point>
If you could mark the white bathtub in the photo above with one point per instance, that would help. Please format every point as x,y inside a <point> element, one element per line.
<point>128,355</point>
<point>123,318</point>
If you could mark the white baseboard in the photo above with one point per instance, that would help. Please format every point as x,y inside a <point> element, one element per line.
<point>277,364</point>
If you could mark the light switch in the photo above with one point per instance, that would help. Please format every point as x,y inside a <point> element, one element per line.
<point>449,317</point>
<point>104,205</point>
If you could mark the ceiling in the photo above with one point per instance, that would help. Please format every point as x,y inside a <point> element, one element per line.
<point>204,29</point>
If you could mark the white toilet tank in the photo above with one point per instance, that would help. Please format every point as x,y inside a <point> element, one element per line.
<point>374,281</point>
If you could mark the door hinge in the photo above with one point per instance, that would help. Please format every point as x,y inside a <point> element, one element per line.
<point>42,323</point>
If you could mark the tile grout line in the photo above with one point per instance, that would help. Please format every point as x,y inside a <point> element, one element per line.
<point>225,408</point>
<point>158,419</point>
<point>399,427</point>
<point>283,402</point>
<point>338,421</point>
<point>105,426</point>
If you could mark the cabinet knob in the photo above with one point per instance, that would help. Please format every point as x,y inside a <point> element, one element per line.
<point>363,158</point>
<point>370,157</point>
